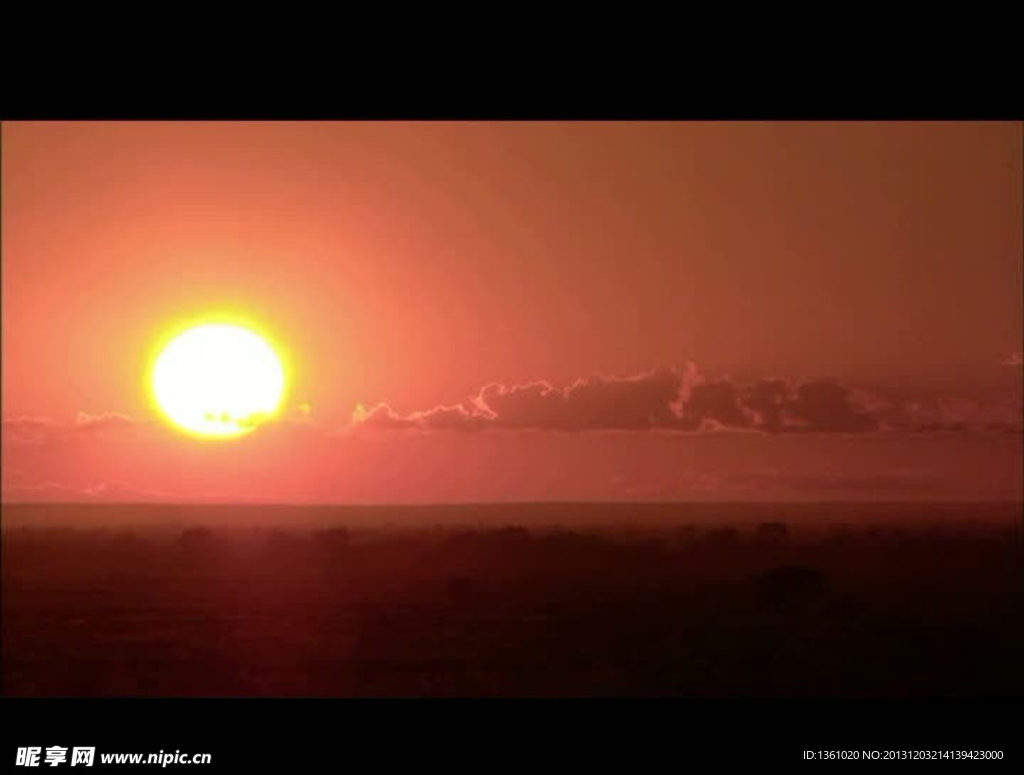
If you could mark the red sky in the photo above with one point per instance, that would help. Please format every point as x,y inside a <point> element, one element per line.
<point>874,268</point>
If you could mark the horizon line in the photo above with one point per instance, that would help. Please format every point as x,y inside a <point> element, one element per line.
<point>450,504</point>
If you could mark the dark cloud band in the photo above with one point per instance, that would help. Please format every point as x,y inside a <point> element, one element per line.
<point>684,400</point>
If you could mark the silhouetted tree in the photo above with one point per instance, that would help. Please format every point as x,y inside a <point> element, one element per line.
<point>722,536</point>
<point>771,533</point>
<point>685,535</point>
<point>198,542</point>
<point>334,538</point>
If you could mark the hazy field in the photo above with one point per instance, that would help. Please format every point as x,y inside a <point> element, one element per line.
<point>556,599</point>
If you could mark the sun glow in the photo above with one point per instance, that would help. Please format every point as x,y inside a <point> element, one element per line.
<point>218,380</point>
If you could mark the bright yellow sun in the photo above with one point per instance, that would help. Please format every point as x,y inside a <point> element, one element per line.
<point>218,380</point>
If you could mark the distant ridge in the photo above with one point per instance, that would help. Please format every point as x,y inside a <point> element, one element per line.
<point>535,514</point>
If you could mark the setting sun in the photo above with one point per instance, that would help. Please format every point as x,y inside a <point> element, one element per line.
<point>218,380</point>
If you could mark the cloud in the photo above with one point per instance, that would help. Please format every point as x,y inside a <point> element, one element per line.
<point>667,399</point>
<point>767,399</point>
<point>36,431</point>
<point>832,481</point>
<point>85,422</point>
<point>825,405</point>
<point>639,402</point>
<point>40,491</point>
<point>28,430</point>
<point>685,400</point>
<point>768,483</point>
<point>121,491</point>
<point>381,416</point>
<point>950,413</point>
<point>451,418</point>
<point>716,405</point>
<point>104,492</point>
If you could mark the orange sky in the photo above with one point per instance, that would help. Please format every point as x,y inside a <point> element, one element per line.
<point>413,264</point>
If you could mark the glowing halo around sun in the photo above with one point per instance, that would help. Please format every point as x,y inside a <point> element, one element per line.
<point>217,380</point>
